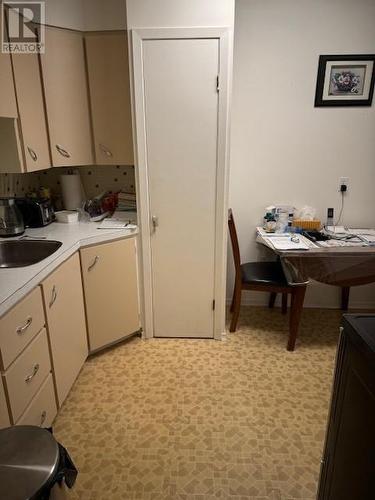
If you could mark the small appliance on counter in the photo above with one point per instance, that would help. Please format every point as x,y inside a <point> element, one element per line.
<point>36,212</point>
<point>11,222</point>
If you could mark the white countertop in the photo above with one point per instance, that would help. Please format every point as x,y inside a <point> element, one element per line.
<point>16,282</point>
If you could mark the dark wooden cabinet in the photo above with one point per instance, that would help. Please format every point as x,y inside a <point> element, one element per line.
<point>348,465</point>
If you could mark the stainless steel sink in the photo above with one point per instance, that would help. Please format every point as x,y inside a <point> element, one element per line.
<point>20,253</point>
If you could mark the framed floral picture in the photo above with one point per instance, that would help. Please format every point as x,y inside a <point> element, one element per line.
<point>345,80</point>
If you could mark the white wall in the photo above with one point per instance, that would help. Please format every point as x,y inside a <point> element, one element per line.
<point>66,13</point>
<point>104,14</point>
<point>175,13</point>
<point>86,15</point>
<point>283,149</point>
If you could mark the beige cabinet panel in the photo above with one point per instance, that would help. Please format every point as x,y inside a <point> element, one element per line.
<point>65,87</point>
<point>11,154</point>
<point>109,274</point>
<point>20,325</point>
<point>8,106</point>
<point>25,376</point>
<point>42,410</point>
<point>4,416</point>
<point>31,109</point>
<point>109,86</point>
<point>63,299</point>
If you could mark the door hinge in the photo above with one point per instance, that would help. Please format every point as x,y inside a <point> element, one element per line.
<point>217,84</point>
<point>213,304</point>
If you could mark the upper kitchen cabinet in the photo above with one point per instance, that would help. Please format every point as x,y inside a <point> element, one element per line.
<point>109,87</point>
<point>11,159</point>
<point>11,153</point>
<point>8,106</point>
<point>65,88</point>
<point>33,127</point>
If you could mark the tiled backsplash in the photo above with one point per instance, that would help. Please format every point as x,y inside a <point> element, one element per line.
<point>95,180</point>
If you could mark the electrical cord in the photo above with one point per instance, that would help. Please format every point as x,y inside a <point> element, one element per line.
<point>341,209</point>
<point>341,237</point>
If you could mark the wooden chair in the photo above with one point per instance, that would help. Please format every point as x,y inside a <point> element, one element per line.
<point>264,277</point>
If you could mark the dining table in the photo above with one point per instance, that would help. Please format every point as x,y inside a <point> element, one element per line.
<point>343,266</point>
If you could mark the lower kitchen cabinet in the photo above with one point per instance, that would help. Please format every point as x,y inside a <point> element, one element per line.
<point>109,273</point>
<point>42,410</point>
<point>4,416</point>
<point>64,306</point>
<point>20,325</point>
<point>25,376</point>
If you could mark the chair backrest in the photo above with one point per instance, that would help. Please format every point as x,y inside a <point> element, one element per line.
<point>234,241</point>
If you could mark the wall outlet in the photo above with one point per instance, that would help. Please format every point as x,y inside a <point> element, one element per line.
<point>344,181</point>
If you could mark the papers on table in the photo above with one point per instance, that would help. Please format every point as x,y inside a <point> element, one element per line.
<point>364,232</point>
<point>282,242</point>
<point>341,237</point>
<point>368,238</point>
<point>365,235</point>
<point>354,242</point>
<point>338,230</point>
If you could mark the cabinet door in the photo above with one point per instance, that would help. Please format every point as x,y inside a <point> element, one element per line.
<point>65,87</point>
<point>63,299</point>
<point>108,74</point>
<point>11,155</point>
<point>111,293</point>
<point>8,106</point>
<point>31,110</point>
<point>4,416</point>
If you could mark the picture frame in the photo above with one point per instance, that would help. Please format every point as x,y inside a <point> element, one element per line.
<point>345,80</point>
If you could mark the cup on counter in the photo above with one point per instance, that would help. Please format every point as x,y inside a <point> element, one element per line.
<point>270,226</point>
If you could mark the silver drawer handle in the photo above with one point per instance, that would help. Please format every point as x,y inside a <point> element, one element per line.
<point>105,150</point>
<point>91,266</point>
<point>32,375</point>
<point>53,296</point>
<point>24,327</point>
<point>32,153</point>
<point>43,417</point>
<point>62,151</point>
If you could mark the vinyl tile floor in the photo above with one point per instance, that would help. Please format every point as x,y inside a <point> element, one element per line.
<point>202,420</point>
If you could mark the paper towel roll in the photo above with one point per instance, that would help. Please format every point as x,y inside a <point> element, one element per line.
<point>72,191</point>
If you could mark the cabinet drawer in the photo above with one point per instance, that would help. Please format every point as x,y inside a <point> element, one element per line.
<point>25,376</point>
<point>20,325</point>
<point>42,409</point>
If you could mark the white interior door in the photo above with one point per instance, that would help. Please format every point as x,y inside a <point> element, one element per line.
<point>181,120</point>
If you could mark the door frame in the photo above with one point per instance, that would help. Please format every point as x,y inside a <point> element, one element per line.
<point>225,39</point>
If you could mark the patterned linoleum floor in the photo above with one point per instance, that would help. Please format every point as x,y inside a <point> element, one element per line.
<point>201,419</point>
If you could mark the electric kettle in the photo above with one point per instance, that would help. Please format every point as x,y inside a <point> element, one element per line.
<point>11,221</point>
